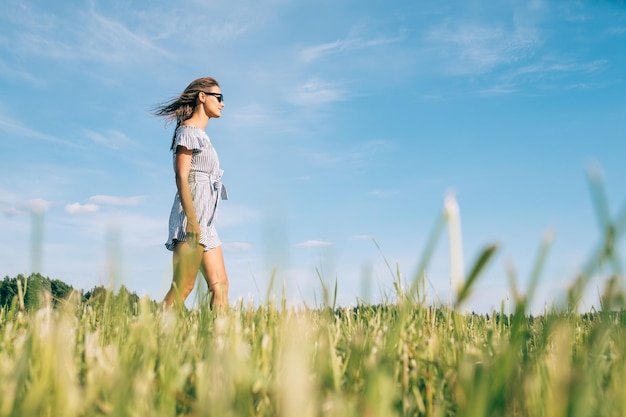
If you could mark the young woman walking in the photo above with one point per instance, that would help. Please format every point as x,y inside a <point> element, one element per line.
<point>192,235</point>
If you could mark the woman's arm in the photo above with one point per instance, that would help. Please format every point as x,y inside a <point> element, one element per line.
<point>181,169</point>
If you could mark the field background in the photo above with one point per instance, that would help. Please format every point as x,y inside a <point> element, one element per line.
<point>115,354</point>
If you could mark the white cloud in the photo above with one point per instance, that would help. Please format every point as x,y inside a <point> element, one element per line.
<point>384,193</point>
<point>313,53</point>
<point>109,39</point>
<point>475,49</point>
<point>313,244</point>
<point>559,66</point>
<point>226,30</point>
<point>42,46</point>
<point>233,215</point>
<point>15,127</point>
<point>113,139</point>
<point>10,209</point>
<point>316,91</point>
<point>616,30</point>
<point>10,72</point>
<point>544,70</point>
<point>356,154</point>
<point>39,205</point>
<point>115,201</point>
<point>506,88</point>
<point>77,208</point>
<point>92,37</point>
<point>238,246</point>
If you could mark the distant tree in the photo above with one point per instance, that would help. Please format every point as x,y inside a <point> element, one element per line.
<point>60,290</point>
<point>8,291</point>
<point>95,295</point>
<point>127,298</point>
<point>34,286</point>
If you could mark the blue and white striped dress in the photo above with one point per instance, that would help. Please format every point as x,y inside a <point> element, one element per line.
<point>206,188</point>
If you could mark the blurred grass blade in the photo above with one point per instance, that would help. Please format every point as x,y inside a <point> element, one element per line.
<point>480,264</point>
<point>512,275</point>
<point>384,258</point>
<point>620,222</point>
<point>598,197</point>
<point>335,294</point>
<point>270,287</point>
<point>429,249</point>
<point>538,267</point>
<point>451,209</point>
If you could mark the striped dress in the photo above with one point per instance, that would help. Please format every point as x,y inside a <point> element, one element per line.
<point>206,188</point>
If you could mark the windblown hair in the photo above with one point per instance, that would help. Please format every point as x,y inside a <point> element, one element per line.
<point>181,108</point>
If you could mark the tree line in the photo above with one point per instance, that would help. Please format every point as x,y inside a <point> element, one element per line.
<point>32,290</point>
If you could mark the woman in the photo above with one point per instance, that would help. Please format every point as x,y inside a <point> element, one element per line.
<point>192,234</point>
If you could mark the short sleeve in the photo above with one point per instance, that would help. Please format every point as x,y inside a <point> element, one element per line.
<point>189,138</point>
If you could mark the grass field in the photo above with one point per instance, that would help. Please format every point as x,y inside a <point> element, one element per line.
<point>114,357</point>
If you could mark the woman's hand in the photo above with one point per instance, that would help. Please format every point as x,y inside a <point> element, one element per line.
<point>181,169</point>
<point>192,232</point>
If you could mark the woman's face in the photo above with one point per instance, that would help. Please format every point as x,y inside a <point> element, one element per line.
<point>212,101</point>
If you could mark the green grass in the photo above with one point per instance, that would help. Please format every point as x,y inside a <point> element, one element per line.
<point>115,357</point>
<point>404,359</point>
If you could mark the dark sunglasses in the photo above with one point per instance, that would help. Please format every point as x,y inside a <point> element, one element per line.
<point>218,96</point>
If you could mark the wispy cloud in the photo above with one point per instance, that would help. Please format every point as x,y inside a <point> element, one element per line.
<point>111,139</point>
<point>616,30</point>
<point>498,89</point>
<point>109,39</point>
<point>315,52</point>
<point>559,66</point>
<point>77,208</point>
<point>382,193</point>
<point>315,91</point>
<point>35,205</point>
<point>40,45</point>
<point>355,154</point>
<point>92,37</point>
<point>475,49</point>
<point>94,203</point>
<point>10,72</point>
<point>10,210</point>
<point>226,30</point>
<point>17,128</point>
<point>512,80</point>
<point>238,246</point>
<point>39,205</point>
<point>115,201</point>
<point>230,215</point>
<point>313,244</point>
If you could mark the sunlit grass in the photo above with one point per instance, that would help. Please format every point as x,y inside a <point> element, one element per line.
<point>112,356</point>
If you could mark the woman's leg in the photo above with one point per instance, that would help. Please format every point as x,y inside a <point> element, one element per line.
<point>186,261</point>
<point>214,273</point>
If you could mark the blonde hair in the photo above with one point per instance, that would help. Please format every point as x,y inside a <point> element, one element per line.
<point>181,108</point>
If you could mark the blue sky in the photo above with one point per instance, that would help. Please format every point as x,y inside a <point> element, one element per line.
<point>345,122</point>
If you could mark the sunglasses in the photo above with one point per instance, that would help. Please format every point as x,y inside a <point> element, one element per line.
<point>218,96</point>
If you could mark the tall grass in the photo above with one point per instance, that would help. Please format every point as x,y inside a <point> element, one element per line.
<point>385,360</point>
<point>111,357</point>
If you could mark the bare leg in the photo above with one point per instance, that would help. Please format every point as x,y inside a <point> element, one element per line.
<point>186,261</point>
<point>214,273</point>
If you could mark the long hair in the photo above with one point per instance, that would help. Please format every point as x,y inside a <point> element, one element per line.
<point>181,108</point>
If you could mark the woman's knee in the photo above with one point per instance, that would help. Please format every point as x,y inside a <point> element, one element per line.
<point>220,285</point>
